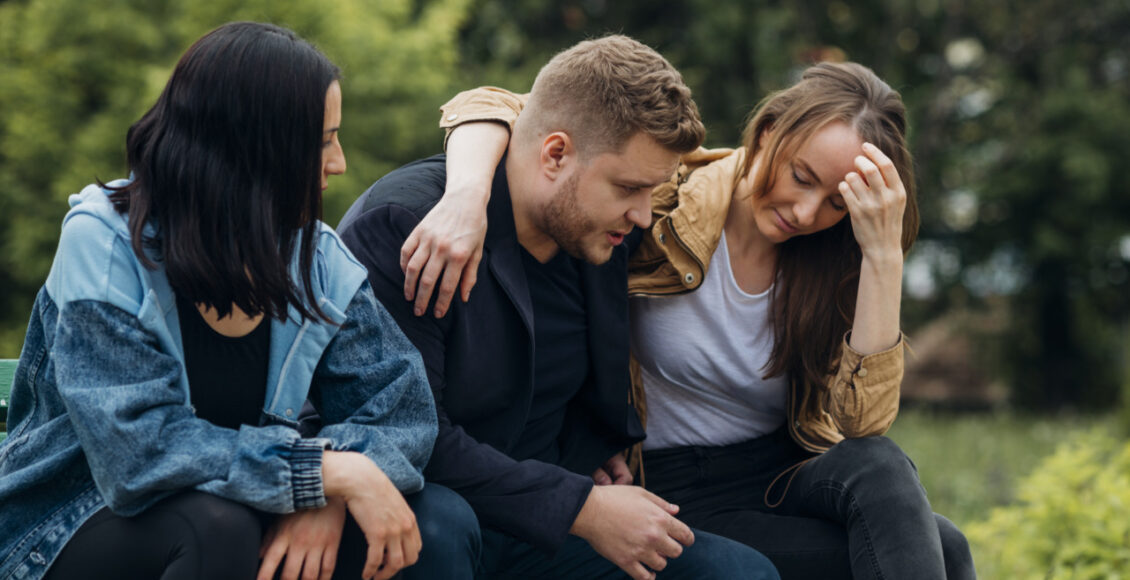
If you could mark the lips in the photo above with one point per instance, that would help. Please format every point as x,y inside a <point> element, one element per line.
<point>783,224</point>
<point>615,238</point>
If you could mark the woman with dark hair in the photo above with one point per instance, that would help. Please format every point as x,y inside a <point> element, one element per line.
<point>765,326</point>
<point>190,312</point>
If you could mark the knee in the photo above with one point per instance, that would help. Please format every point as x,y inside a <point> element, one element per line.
<point>218,522</point>
<point>955,550</point>
<point>215,537</point>
<point>875,458</point>
<point>712,556</point>
<point>448,526</point>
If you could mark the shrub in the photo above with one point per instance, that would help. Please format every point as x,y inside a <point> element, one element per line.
<point>1071,520</point>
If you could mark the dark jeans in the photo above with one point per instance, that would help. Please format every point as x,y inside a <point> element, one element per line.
<point>856,511</point>
<point>196,535</point>
<point>710,557</point>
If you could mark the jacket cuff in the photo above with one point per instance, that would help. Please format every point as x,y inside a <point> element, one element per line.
<point>306,472</point>
<point>551,538</point>
<point>873,368</point>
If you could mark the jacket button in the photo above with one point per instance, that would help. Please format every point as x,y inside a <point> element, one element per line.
<point>37,558</point>
<point>663,238</point>
<point>862,372</point>
<point>689,278</point>
<point>289,412</point>
<point>452,117</point>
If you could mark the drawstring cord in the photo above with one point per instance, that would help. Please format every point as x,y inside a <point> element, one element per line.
<point>792,471</point>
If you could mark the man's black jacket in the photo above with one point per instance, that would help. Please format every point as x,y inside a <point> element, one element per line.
<point>479,360</point>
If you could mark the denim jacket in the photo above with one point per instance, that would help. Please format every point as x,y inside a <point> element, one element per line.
<point>100,412</point>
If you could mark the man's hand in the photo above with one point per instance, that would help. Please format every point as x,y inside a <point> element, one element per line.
<point>614,472</point>
<point>379,509</point>
<point>308,539</point>
<point>633,528</point>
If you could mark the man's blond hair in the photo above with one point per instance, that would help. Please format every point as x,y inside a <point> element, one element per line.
<point>602,92</point>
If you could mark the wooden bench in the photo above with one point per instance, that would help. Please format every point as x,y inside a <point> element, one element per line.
<point>7,373</point>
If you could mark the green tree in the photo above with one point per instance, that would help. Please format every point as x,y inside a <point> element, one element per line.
<point>75,74</point>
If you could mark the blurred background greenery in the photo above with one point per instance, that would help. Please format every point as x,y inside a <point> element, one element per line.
<point>1017,294</point>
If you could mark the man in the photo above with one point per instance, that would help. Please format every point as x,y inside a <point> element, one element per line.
<point>531,375</point>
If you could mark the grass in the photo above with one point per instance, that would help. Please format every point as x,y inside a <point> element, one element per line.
<point>970,463</point>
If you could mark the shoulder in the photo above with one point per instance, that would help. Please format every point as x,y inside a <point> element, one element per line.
<point>415,187</point>
<point>95,260</point>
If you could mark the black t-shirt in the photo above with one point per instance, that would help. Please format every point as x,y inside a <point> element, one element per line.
<point>227,376</point>
<point>561,361</point>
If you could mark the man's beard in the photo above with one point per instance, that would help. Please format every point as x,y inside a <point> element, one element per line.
<point>567,224</point>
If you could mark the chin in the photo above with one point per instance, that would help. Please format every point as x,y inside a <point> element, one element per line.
<point>597,256</point>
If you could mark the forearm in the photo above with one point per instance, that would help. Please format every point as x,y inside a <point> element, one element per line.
<point>877,306</point>
<point>372,392</point>
<point>473,152</point>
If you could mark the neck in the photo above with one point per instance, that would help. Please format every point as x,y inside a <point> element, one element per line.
<point>744,239</point>
<point>526,204</point>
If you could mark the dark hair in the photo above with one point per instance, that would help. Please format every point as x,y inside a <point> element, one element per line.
<point>814,303</point>
<point>227,167</point>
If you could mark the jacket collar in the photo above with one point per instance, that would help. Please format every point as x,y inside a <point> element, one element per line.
<point>505,251</point>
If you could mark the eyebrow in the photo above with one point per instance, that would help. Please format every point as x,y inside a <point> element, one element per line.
<point>808,169</point>
<point>333,130</point>
<point>641,183</point>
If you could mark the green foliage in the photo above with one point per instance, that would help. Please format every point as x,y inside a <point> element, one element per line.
<point>74,74</point>
<point>970,463</point>
<point>1072,520</point>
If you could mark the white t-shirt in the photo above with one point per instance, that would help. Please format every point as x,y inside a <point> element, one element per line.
<point>702,356</point>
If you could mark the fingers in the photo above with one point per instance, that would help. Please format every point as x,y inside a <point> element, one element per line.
<point>329,562</point>
<point>412,546</point>
<point>680,532</point>
<point>271,558</point>
<point>655,499</point>
<point>669,548</point>
<point>394,560</point>
<point>600,477</point>
<point>293,566</point>
<point>471,274</point>
<point>407,251</point>
<point>375,557</point>
<point>428,279</point>
<point>637,571</point>
<point>620,473</point>
<point>886,166</point>
<point>413,267</point>
<point>451,276</point>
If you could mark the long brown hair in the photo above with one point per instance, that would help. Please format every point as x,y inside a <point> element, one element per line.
<point>818,275</point>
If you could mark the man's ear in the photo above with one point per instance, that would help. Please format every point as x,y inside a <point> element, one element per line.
<point>557,153</point>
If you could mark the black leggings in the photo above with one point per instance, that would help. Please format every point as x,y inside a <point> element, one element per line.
<point>187,536</point>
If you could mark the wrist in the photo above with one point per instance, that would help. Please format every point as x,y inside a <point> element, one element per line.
<point>883,260</point>
<point>590,510</point>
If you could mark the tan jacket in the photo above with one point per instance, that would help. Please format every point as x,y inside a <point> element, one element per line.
<point>861,399</point>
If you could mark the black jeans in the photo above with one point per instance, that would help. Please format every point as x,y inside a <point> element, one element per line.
<point>856,511</point>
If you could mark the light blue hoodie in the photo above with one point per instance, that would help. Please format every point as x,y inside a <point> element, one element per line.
<point>100,412</point>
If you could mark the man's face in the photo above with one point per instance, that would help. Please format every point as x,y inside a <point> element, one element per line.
<point>599,203</point>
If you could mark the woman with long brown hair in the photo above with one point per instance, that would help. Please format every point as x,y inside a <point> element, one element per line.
<point>765,324</point>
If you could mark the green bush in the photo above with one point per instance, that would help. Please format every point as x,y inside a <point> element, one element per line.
<point>1071,520</point>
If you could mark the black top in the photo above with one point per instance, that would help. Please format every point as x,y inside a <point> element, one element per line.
<point>561,361</point>
<point>227,376</point>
